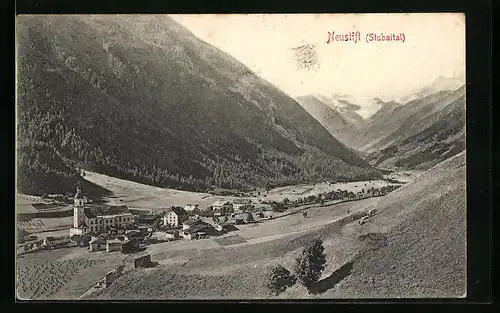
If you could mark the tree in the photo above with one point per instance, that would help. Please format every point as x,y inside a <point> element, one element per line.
<point>209,211</point>
<point>278,206</point>
<point>310,263</point>
<point>249,218</point>
<point>28,247</point>
<point>345,194</point>
<point>279,278</point>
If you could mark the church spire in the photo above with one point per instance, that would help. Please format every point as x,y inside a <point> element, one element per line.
<point>78,194</point>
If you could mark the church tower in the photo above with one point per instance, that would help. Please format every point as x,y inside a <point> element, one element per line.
<point>78,210</point>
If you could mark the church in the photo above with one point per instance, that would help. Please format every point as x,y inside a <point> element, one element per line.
<point>89,217</point>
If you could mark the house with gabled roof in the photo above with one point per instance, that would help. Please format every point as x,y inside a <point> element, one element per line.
<point>192,222</point>
<point>240,204</point>
<point>191,207</point>
<point>174,216</point>
<point>222,207</point>
<point>197,229</point>
<point>97,244</point>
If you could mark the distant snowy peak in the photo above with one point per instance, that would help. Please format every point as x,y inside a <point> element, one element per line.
<point>364,106</point>
<point>441,83</point>
<point>447,83</point>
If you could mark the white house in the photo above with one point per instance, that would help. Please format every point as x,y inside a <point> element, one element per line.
<point>174,217</point>
<point>113,245</point>
<point>97,218</point>
<point>239,204</point>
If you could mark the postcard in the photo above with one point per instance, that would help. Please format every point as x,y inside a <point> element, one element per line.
<point>240,156</point>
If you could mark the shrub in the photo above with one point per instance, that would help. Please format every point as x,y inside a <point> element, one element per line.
<point>279,279</point>
<point>310,263</point>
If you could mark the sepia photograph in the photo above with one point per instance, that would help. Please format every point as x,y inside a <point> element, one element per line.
<point>240,156</point>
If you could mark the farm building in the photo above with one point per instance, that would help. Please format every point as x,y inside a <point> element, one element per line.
<point>97,217</point>
<point>222,207</point>
<point>191,207</point>
<point>238,220</point>
<point>144,261</point>
<point>134,235</point>
<point>129,246</point>
<point>97,244</point>
<point>243,218</point>
<point>172,234</point>
<point>174,217</point>
<point>116,230</point>
<point>191,222</point>
<point>242,204</point>
<point>113,245</point>
<point>198,231</point>
<point>47,241</point>
<point>149,220</point>
<point>111,276</point>
<point>55,241</point>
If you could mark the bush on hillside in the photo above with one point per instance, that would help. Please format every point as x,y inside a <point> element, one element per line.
<point>279,279</point>
<point>310,263</point>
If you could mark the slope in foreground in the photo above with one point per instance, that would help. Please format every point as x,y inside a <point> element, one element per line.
<point>423,248</point>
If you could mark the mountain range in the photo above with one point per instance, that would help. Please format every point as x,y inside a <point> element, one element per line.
<point>416,134</point>
<point>142,98</point>
<point>433,133</point>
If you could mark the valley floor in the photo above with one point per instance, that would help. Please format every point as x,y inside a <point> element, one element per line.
<point>136,195</point>
<point>414,246</point>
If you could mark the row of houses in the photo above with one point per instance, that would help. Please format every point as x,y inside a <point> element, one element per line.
<point>94,219</point>
<point>175,216</point>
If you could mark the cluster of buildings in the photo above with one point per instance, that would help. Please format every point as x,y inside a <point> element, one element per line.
<point>90,217</point>
<point>196,227</point>
<point>98,221</point>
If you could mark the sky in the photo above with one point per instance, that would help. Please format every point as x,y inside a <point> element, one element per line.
<point>434,46</point>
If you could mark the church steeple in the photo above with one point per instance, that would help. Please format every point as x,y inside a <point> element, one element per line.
<point>78,197</point>
<point>78,194</point>
<point>78,209</point>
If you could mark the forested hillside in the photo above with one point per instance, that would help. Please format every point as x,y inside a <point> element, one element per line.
<point>143,99</point>
<point>436,143</point>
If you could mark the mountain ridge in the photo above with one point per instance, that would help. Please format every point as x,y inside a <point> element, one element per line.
<point>405,118</point>
<point>146,100</point>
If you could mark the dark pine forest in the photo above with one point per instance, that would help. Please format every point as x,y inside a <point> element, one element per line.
<point>149,102</point>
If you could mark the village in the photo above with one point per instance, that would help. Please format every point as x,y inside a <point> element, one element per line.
<point>112,238</point>
<point>102,227</point>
